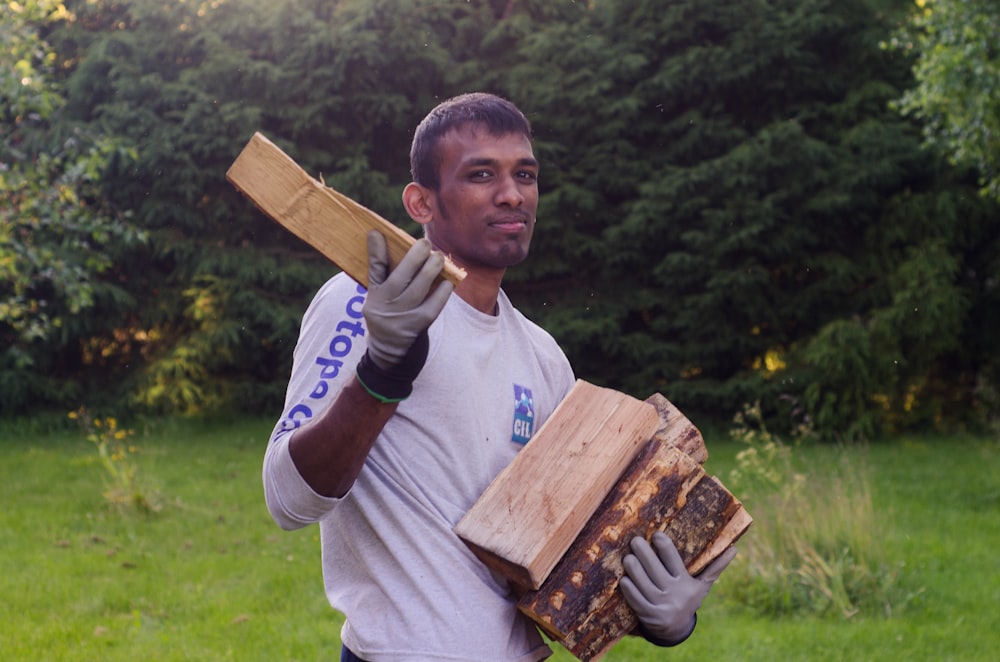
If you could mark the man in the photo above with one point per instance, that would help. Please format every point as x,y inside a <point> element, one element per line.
<point>401,406</point>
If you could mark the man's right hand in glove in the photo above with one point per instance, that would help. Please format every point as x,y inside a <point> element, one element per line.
<point>399,308</point>
<point>329,451</point>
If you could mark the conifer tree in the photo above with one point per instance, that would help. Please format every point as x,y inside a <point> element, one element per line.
<point>732,193</point>
<point>339,85</point>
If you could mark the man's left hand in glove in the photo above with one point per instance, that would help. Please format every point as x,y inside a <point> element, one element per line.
<point>659,589</point>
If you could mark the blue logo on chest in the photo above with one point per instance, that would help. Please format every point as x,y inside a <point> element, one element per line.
<point>524,415</point>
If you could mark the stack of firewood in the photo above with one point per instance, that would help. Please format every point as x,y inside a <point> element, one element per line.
<point>558,521</point>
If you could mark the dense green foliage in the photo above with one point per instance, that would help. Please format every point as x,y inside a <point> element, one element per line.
<point>55,224</point>
<point>731,210</point>
<point>957,91</point>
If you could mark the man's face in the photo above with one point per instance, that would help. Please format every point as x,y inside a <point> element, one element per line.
<point>484,209</point>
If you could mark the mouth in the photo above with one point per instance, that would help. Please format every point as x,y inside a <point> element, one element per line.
<point>516,223</point>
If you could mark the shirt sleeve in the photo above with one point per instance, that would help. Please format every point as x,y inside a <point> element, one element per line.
<point>331,342</point>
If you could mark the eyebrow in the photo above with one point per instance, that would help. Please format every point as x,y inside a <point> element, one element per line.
<point>533,163</point>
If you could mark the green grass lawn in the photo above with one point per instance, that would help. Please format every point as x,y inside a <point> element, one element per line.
<point>209,577</point>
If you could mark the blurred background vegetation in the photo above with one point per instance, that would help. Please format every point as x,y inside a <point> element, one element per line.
<point>786,202</point>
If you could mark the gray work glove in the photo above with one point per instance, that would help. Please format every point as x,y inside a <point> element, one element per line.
<point>397,312</point>
<point>659,589</point>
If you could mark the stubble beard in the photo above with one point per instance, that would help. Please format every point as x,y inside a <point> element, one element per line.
<point>511,251</point>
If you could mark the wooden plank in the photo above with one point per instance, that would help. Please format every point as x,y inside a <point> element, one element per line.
<point>676,430</point>
<point>731,532</point>
<point>579,605</point>
<point>708,508</point>
<point>326,219</point>
<point>529,516</point>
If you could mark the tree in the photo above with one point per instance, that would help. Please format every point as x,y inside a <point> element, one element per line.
<point>338,84</point>
<point>957,69</point>
<point>731,193</point>
<point>54,225</point>
<point>730,210</point>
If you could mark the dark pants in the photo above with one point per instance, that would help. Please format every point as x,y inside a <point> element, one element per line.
<point>347,656</point>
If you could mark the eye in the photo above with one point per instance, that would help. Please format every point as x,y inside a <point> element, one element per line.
<point>480,175</point>
<point>527,176</point>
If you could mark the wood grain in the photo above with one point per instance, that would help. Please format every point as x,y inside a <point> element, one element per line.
<point>326,219</point>
<point>528,517</point>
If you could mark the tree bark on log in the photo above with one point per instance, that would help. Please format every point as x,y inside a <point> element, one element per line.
<point>664,489</point>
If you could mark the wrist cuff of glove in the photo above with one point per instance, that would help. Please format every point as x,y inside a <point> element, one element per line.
<point>381,384</point>
<point>666,643</point>
<point>394,384</point>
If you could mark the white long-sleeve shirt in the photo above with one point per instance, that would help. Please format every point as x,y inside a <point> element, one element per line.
<point>410,589</point>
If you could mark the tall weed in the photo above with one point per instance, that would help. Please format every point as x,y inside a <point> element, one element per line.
<point>125,488</point>
<point>814,544</point>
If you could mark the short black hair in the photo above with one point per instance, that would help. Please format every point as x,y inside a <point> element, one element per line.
<point>497,115</point>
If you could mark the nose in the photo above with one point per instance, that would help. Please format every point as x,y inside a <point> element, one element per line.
<point>508,193</point>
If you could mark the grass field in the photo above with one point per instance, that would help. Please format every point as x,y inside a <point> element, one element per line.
<point>209,577</point>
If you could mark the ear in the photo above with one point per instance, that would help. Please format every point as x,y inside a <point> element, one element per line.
<point>417,200</point>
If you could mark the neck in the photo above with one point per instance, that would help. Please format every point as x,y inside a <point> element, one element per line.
<point>480,290</point>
